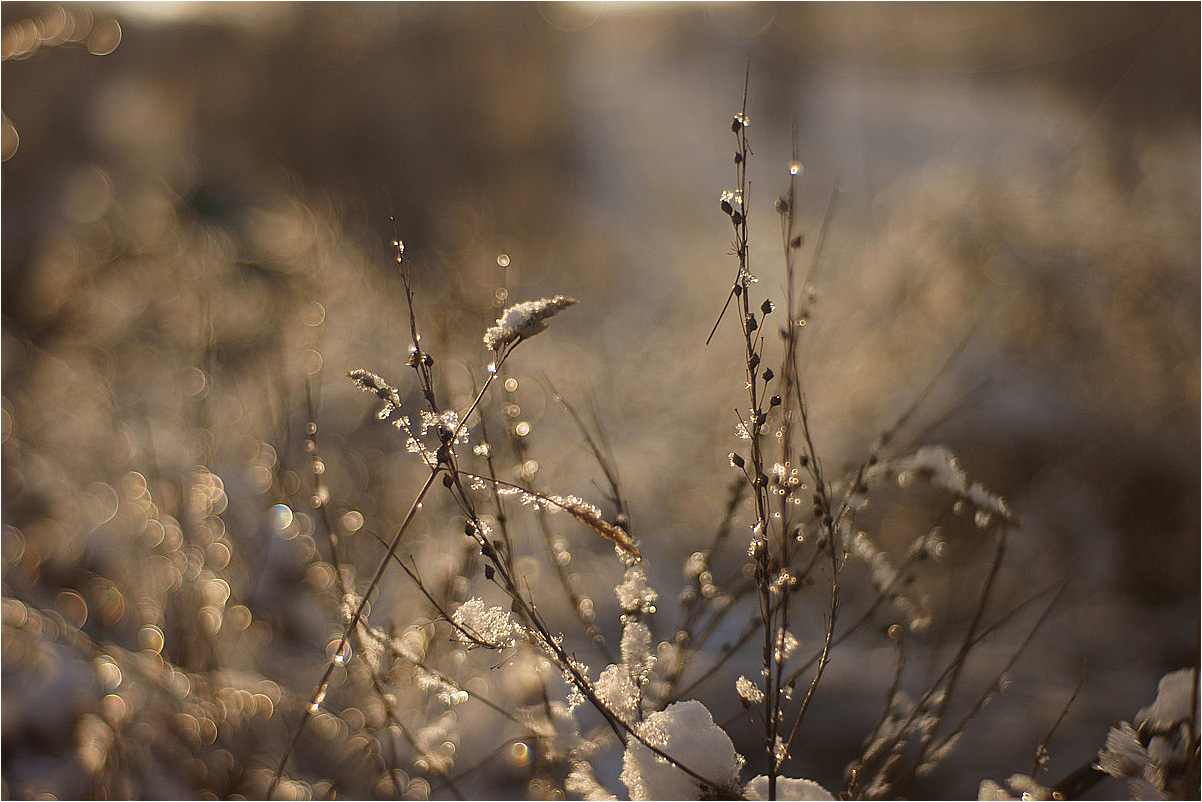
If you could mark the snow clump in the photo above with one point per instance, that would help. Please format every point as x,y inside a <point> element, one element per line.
<point>786,788</point>
<point>494,626</point>
<point>687,732</point>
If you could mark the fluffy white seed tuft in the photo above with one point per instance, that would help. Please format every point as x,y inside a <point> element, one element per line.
<point>524,320</point>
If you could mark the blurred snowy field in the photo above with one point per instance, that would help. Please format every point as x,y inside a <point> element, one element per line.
<point>196,223</point>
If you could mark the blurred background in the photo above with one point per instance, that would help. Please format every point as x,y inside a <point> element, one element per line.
<point>196,227</point>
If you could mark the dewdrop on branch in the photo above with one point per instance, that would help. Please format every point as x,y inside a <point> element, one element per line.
<point>523,321</point>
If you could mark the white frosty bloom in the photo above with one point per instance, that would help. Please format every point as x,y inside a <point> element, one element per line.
<point>1174,696</point>
<point>637,656</point>
<point>493,625</point>
<point>524,320</point>
<point>749,692</point>
<point>687,732</point>
<point>635,593</point>
<point>786,788</point>
<point>617,690</point>
<point>581,783</point>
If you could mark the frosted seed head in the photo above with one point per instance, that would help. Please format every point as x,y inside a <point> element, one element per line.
<point>748,691</point>
<point>522,321</point>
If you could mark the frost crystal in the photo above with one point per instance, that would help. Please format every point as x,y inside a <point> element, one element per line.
<point>786,788</point>
<point>749,692</point>
<point>616,688</point>
<point>371,383</point>
<point>687,732</point>
<point>636,649</point>
<point>523,321</point>
<point>494,626</point>
<point>634,594</point>
<point>443,424</point>
<point>581,783</point>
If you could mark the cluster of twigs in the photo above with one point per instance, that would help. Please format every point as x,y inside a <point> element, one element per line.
<point>803,533</point>
<point>496,553</point>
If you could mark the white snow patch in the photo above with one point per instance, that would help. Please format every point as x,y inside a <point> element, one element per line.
<point>786,788</point>
<point>687,732</point>
<point>616,688</point>
<point>1174,697</point>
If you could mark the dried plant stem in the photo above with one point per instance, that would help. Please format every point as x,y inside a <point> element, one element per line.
<point>323,683</point>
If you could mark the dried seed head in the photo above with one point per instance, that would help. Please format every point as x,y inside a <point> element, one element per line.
<point>522,321</point>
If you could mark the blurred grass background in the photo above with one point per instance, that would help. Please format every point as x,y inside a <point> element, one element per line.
<point>194,222</point>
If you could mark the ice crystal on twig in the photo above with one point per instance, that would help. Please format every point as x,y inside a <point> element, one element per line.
<point>749,692</point>
<point>522,321</point>
<point>634,594</point>
<point>495,626</point>
<point>369,382</point>
<point>618,690</point>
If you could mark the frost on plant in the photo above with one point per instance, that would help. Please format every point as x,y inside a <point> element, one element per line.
<point>637,656</point>
<point>635,594</point>
<point>786,788</point>
<point>616,688</point>
<point>494,627</point>
<point>1174,698</point>
<point>523,321</point>
<point>369,382</point>
<point>749,692</point>
<point>581,783</point>
<point>940,466</point>
<point>588,514</point>
<point>687,732</point>
<point>1155,760</point>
